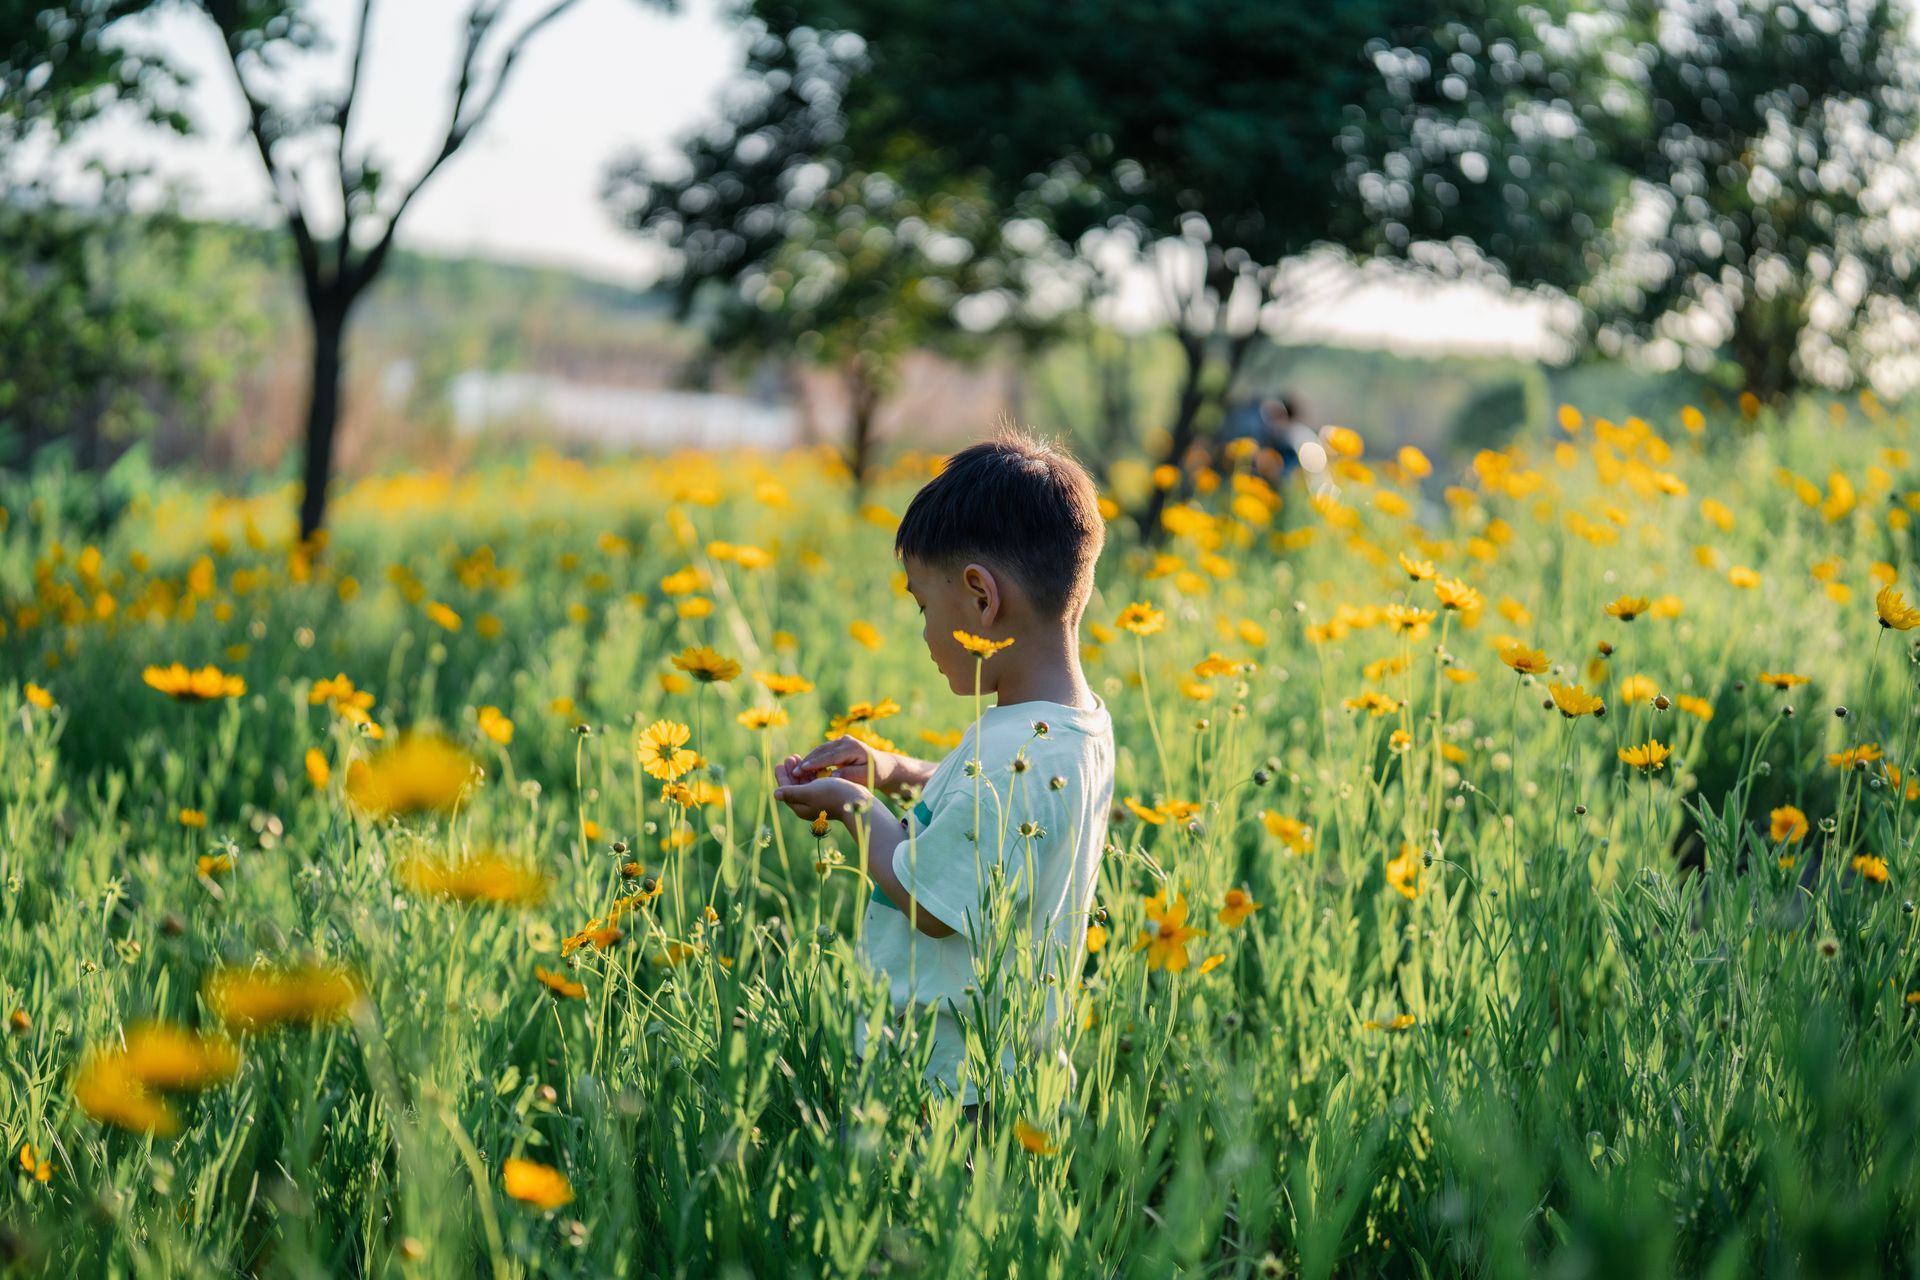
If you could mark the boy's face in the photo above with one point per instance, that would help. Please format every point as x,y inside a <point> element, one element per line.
<point>947,605</point>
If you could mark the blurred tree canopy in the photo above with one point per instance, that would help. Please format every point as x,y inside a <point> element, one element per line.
<point>1706,176</point>
<point>97,328</point>
<point>787,248</point>
<point>1767,182</point>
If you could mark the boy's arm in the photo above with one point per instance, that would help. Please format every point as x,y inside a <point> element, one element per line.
<point>863,814</point>
<point>887,771</point>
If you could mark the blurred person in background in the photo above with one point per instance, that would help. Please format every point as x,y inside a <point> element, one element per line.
<point>1274,424</point>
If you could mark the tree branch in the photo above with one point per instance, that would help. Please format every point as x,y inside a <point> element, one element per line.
<point>459,125</point>
<point>341,120</point>
<point>285,194</point>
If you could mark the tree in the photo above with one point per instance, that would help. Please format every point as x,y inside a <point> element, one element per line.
<point>336,269</point>
<point>86,345</point>
<point>1766,170</point>
<point>1225,143</point>
<point>785,245</point>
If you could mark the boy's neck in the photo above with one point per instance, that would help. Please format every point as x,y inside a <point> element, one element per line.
<point>1043,668</point>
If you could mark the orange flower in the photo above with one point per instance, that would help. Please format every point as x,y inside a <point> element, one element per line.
<point>204,685</point>
<point>1238,905</point>
<point>559,984</point>
<point>1165,941</point>
<point>979,646</point>
<point>539,1185</point>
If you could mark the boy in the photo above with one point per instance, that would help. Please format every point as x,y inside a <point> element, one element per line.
<point>1000,546</point>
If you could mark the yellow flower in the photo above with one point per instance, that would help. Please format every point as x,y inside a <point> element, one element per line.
<point>979,646</point>
<point>693,795</point>
<point>1293,833</point>
<point>1782,680</point>
<point>420,773</point>
<point>192,818</point>
<point>1140,618</point>
<point>1399,741</point>
<point>443,617</point>
<point>1212,962</point>
<point>490,879</point>
<point>116,1085</point>
<point>540,1185</point>
<point>563,707</point>
<point>1575,701</point>
<point>256,1000</point>
<point>1455,594</point>
<point>562,987</point>
<point>1871,868</point>
<point>318,771</point>
<point>705,665</point>
<point>1408,620</point>
<point>1649,757</point>
<point>866,635</point>
<point>1627,608</point>
<point>596,935</point>
<point>780,685</point>
<point>1895,613</point>
<point>214,864</point>
<point>663,750</point>
<point>40,1170</point>
<point>1166,941</point>
<point>1096,938</point>
<point>1214,665</point>
<point>1418,570</point>
<point>495,725</point>
<point>1237,906</point>
<point>204,685</point>
<point>1524,660</point>
<point>39,697</point>
<point>1694,706</point>
<point>1400,1023</point>
<point>1787,824</point>
<point>1852,757</point>
<point>1034,1140</point>
<point>1638,689</point>
<point>1403,873</point>
<point>1373,702</point>
<point>762,717</point>
<point>1145,813</point>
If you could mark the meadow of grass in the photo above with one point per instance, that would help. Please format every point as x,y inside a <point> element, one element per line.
<point>1501,988</point>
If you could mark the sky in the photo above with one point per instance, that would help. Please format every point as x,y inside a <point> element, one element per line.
<point>609,78</point>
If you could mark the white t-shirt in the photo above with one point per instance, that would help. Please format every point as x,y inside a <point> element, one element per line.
<point>1050,871</point>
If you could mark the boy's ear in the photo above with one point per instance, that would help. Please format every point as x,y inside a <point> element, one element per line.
<point>983,590</point>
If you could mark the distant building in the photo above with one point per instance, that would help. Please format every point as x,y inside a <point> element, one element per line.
<point>618,417</point>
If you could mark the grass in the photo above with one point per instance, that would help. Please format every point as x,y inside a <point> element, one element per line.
<point>1510,1005</point>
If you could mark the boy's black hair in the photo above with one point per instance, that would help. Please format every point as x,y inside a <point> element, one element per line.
<point>1014,503</point>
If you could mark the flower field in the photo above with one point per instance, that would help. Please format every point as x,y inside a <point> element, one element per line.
<point>1515,872</point>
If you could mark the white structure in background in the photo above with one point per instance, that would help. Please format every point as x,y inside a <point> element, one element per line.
<point>618,417</point>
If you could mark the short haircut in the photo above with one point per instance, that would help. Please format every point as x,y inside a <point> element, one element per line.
<point>1017,504</point>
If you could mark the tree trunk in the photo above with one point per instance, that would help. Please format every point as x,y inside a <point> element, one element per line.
<point>1195,395</point>
<point>1765,338</point>
<point>323,415</point>
<point>1195,348</point>
<point>864,402</point>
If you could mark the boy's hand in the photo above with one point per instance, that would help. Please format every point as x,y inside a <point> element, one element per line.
<point>832,796</point>
<point>847,757</point>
